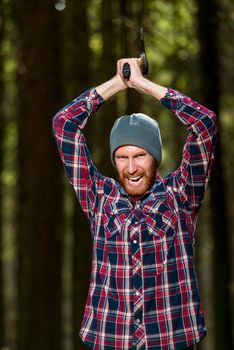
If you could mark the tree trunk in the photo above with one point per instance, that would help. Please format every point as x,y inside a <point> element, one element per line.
<point>208,31</point>
<point>131,13</point>
<point>39,184</point>
<point>81,271</point>
<point>2,123</point>
<point>107,68</point>
<point>78,62</point>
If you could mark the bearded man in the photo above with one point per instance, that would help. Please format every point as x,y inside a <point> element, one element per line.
<point>143,288</point>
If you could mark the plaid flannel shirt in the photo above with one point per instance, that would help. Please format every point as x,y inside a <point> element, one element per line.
<point>158,306</point>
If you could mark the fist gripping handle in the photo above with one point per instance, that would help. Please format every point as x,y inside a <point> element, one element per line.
<point>126,71</point>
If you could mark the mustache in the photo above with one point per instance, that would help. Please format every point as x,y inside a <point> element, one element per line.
<point>128,175</point>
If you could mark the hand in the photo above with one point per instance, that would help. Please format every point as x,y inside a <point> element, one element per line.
<point>136,78</point>
<point>137,81</point>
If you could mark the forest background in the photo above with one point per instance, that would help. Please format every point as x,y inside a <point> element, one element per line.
<point>50,51</point>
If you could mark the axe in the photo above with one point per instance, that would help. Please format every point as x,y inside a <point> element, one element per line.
<point>142,60</point>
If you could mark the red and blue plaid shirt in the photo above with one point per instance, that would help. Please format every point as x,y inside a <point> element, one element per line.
<point>143,291</point>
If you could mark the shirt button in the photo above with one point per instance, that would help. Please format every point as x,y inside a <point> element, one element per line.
<point>138,321</point>
<point>137,293</point>
<point>135,242</point>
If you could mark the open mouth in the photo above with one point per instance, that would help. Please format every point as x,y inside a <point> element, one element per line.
<point>135,180</point>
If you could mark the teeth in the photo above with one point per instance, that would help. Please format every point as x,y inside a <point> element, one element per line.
<point>134,178</point>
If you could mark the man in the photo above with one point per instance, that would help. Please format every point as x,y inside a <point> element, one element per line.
<point>143,290</point>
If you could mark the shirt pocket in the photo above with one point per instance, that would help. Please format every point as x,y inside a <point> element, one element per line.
<point>160,220</point>
<point>159,239</point>
<point>117,246</point>
<point>115,216</point>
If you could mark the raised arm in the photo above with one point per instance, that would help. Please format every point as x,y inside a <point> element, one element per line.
<point>192,176</point>
<point>67,128</point>
<point>68,124</point>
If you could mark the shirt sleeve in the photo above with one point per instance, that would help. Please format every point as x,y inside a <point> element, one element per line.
<point>193,174</point>
<point>67,128</point>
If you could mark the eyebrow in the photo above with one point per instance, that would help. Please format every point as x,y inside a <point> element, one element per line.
<point>135,155</point>
<point>120,155</point>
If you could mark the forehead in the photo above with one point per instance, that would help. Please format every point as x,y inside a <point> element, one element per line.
<point>130,150</point>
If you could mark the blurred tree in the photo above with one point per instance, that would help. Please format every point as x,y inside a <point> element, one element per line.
<point>107,69</point>
<point>78,63</point>
<point>180,63</point>
<point>208,33</point>
<point>132,16</point>
<point>81,263</point>
<point>2,124</point>
<point>39,185</point>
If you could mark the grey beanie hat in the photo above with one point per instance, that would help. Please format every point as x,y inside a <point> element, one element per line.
<point>136,129</point>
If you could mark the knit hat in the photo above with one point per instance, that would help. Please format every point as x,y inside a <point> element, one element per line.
<point>136,129</point>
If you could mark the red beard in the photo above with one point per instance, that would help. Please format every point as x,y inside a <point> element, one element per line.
<point>138,188</point>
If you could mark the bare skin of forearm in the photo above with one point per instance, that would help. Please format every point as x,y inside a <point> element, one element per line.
<point>136,81</point>
<point>149,88</point>
<point>111,87</point>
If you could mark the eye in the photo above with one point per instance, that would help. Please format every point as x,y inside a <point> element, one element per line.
<point>121,157</point>
<point>141,155</point>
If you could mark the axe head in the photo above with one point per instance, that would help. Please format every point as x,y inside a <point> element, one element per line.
<point>143,57</point>
<point>142,60</point>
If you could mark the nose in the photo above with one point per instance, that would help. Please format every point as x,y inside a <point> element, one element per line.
<point>132,166</point>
